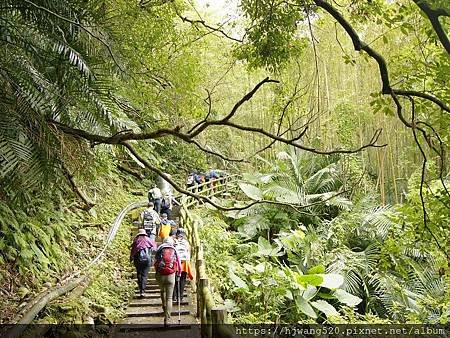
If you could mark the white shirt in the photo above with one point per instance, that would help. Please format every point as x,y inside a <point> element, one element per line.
<point>156,192</point>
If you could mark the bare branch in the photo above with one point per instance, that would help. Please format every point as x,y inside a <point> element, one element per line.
<point>422,95</point>
<point>198,197</point>
<point>293,141</point>
<point>208,200</point>
<point>211,152</point>
<point>233,111</point>
<point>422,180</point>
<point>130,171</point>
<point>209,103</point>
<point>127,135</point>
<point>204,24</point>
<point>87,204</point>
<point>118,137</point>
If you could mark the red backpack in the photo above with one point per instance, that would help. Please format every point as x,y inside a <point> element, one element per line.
<point>166,261</point>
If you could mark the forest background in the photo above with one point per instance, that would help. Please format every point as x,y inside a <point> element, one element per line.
<point>336,111</point>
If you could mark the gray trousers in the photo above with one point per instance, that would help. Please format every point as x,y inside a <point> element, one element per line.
<point>166,284</point>
<point>142,270</point>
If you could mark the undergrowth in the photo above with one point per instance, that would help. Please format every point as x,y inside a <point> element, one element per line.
<point>46,242</point>
<point>106,297</point>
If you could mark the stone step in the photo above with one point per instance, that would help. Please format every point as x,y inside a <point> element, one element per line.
<point>151,323</point>
<point>153,295</point>
<point>155,313</point>
<point>150,287</point>
<point>156,308</point>
<point>153,327</point>
<point>156,287</point>
<point>152,302</point>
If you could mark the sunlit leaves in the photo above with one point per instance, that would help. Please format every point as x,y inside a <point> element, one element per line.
<point>271,37</point>
<point>347,298</point>
<point>237,280</point>
<point>325,307</point>
<point>251,191</point>
<point>305,307</point>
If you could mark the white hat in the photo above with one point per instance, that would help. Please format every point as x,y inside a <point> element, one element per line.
<point>142,232</point>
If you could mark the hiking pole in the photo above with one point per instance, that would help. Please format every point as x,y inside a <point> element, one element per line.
<point>179,301</point>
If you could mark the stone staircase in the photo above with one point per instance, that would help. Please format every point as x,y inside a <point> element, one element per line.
<point>145,318</point>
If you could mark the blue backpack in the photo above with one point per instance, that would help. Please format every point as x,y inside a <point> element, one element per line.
<point>144,256</point>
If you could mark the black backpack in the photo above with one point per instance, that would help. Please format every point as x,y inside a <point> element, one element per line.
<point>148,220</point>
<point>150,195</point>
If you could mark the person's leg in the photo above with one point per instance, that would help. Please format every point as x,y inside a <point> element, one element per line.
<point>138,275</point>
<point>170,282</point>
<point>175,294</point>
<point>145,270</point>
<point>157,203</point>
<point>162,293</point>
<point>182,284</point>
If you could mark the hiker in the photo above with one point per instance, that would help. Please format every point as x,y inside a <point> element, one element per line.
<point>213,177</point>
<point>165,227</point>
<point>155,195</point>
<point>199,179</point>
<point>210,178</point>
<point>168,269</point>
<point>141,256</point>
<point>222,176</point>
<point>167,204</point>
<point>190,182</point>
<point>150,221</point>
<point>184,253</point>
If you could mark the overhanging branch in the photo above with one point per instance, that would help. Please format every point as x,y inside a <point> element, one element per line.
<point>433,15</point>
<point>383,70</point>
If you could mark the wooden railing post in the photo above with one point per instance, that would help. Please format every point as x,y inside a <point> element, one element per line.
<point>202,290</point>
<point>199,287</point>
<point>219,320</point>
<point>212,318</point>
<point>219,315</point>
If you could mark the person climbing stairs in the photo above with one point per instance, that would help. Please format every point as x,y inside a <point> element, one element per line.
<point>145,316</point>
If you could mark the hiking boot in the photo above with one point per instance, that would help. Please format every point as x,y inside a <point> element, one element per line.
<point>167,322</point>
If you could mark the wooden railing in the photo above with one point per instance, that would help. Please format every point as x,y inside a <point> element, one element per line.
<point>212,316</point>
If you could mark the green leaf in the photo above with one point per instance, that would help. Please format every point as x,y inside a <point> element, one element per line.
<point>266,249</point>
<point>310,292</point>
<point>325,307</point>
<point>251,191</point>
<point>316,269</point>
<point>314,280</point>
<point>288,294</point>
<point>237,280</point>
<point>331,280</point>
<point>304,307</point>
<point>347,298</point>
